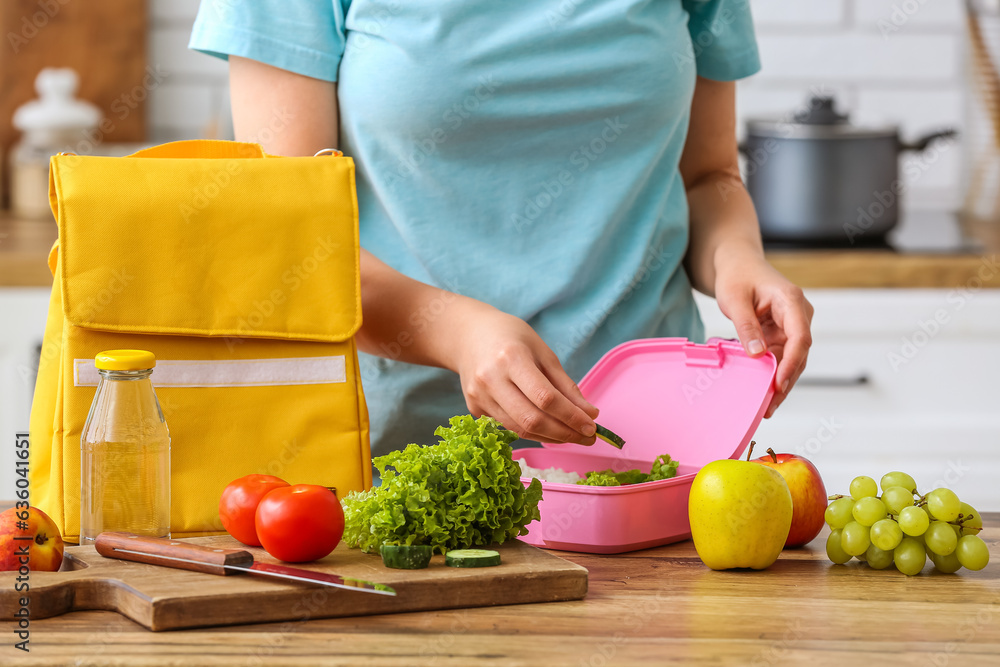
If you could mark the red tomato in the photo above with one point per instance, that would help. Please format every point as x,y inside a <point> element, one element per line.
<point>300,523</point>
<point>239,505</point>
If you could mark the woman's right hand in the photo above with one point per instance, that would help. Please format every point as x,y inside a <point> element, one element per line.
<point>510,374</point>
<point>506,370</point>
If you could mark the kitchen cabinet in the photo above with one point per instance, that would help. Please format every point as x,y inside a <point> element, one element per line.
<point>896,380</point>
<point>23,311</point>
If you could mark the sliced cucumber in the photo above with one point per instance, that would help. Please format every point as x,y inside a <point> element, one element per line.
<point>406,556</point>
<point>609,437</point>
<point>472,558</point>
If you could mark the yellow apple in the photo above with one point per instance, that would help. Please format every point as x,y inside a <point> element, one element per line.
<point>740,514</point>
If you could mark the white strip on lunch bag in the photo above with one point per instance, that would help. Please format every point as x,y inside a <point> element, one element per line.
<point>231,373</point>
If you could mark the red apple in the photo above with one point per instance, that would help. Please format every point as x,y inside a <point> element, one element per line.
<point>45,546</point>
<point>808,495</point>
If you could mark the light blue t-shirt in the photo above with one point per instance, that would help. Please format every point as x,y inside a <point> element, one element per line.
<point>521,153</point>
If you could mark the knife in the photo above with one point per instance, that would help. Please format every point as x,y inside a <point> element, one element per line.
<point>186,556</point>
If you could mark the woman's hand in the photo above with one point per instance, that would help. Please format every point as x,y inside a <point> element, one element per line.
<point>510,374</point>
<point>770,313</point>
<point>506,370</point>
<point>725,257</point>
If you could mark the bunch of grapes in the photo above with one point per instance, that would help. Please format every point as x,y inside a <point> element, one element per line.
<point>903,528</point>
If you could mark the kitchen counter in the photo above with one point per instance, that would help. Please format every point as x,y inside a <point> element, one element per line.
<point>25,244</point>
<point>657,606</point>
<point>850,269</point>
<point>24,251</point>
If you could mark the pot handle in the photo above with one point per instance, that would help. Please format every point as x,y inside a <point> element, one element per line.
<point>923,142</point>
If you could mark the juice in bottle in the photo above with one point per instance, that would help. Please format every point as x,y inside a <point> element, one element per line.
<point>125,452</point>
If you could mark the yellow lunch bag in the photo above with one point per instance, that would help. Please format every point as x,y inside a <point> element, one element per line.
<point>239,271</point>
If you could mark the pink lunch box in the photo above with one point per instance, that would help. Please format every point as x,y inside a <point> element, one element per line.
<point>698,403</point>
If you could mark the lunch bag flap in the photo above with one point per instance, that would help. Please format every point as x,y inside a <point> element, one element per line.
<point>185,245</point>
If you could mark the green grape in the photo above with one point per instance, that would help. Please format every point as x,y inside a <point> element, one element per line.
<point>896,498</point>
<point>948,564</point>
<point>868,510</point>
<point>891,479</point>
<point>878,559</point>
<point>886,534</point>
<point>940,538</point>
<point>854,538</point>
<point>834,551</point>
<point>943,504</point>
<point>972,552</point>
<point>863,487</point>
<point>913,521</point>
<point>862,557</point>
<point>909,556</point>
<point>972,521</point>
<point>838,513</point>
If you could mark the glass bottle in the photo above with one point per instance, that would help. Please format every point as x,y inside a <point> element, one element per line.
<point>125,451</point>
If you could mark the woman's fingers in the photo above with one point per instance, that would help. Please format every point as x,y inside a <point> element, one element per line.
<point>531,422</point>
<point>509,373</point>
<point>552,403</point>
<point>561,381</point>
<point>742,313</point>
<point>794,318</point>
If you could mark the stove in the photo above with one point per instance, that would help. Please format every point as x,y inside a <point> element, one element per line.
<point>919,232</point>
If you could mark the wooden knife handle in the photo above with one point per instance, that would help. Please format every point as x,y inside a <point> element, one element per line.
<point>163,551</point>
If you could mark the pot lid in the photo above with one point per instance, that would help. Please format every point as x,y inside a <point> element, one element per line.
<point>697,402</point>
<point>819,120</point>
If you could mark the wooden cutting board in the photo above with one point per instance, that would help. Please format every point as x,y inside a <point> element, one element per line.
<point>163,598</point>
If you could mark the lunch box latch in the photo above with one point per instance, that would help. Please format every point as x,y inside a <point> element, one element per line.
<point>709,355</point>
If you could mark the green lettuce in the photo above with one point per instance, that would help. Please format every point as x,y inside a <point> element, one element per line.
<point>663,468</point>
<point>601,478</point>
<point>464,491</point>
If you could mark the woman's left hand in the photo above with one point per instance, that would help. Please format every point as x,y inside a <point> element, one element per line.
<point>770,313</point>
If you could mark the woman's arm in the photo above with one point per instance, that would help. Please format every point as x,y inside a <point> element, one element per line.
<point>506,370</point>
<point>725,257</point>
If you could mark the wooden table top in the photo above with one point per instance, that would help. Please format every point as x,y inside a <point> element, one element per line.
<point>657,606</point>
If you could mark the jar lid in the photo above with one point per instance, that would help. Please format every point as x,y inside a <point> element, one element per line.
<point>125,360</point>
<point>57,107</point>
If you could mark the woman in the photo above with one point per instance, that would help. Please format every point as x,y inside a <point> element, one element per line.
<point>537,182</point>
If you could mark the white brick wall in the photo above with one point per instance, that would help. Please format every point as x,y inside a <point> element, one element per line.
<point>895,61</point>
<point>900,61</point>
<point>193,100</point>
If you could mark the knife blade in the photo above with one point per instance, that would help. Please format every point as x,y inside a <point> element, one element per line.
<point>200,558</point>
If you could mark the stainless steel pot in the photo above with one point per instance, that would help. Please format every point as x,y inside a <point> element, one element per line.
<point>820,180</point>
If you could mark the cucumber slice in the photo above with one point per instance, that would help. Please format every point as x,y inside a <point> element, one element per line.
<point>609,437</point>
<point>406,556</point>
<point>472,558</point>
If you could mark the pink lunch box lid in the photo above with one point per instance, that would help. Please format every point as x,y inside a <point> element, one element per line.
<point>697,402</point>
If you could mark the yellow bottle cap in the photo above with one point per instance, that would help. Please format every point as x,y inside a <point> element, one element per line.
<point>125,360</point>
